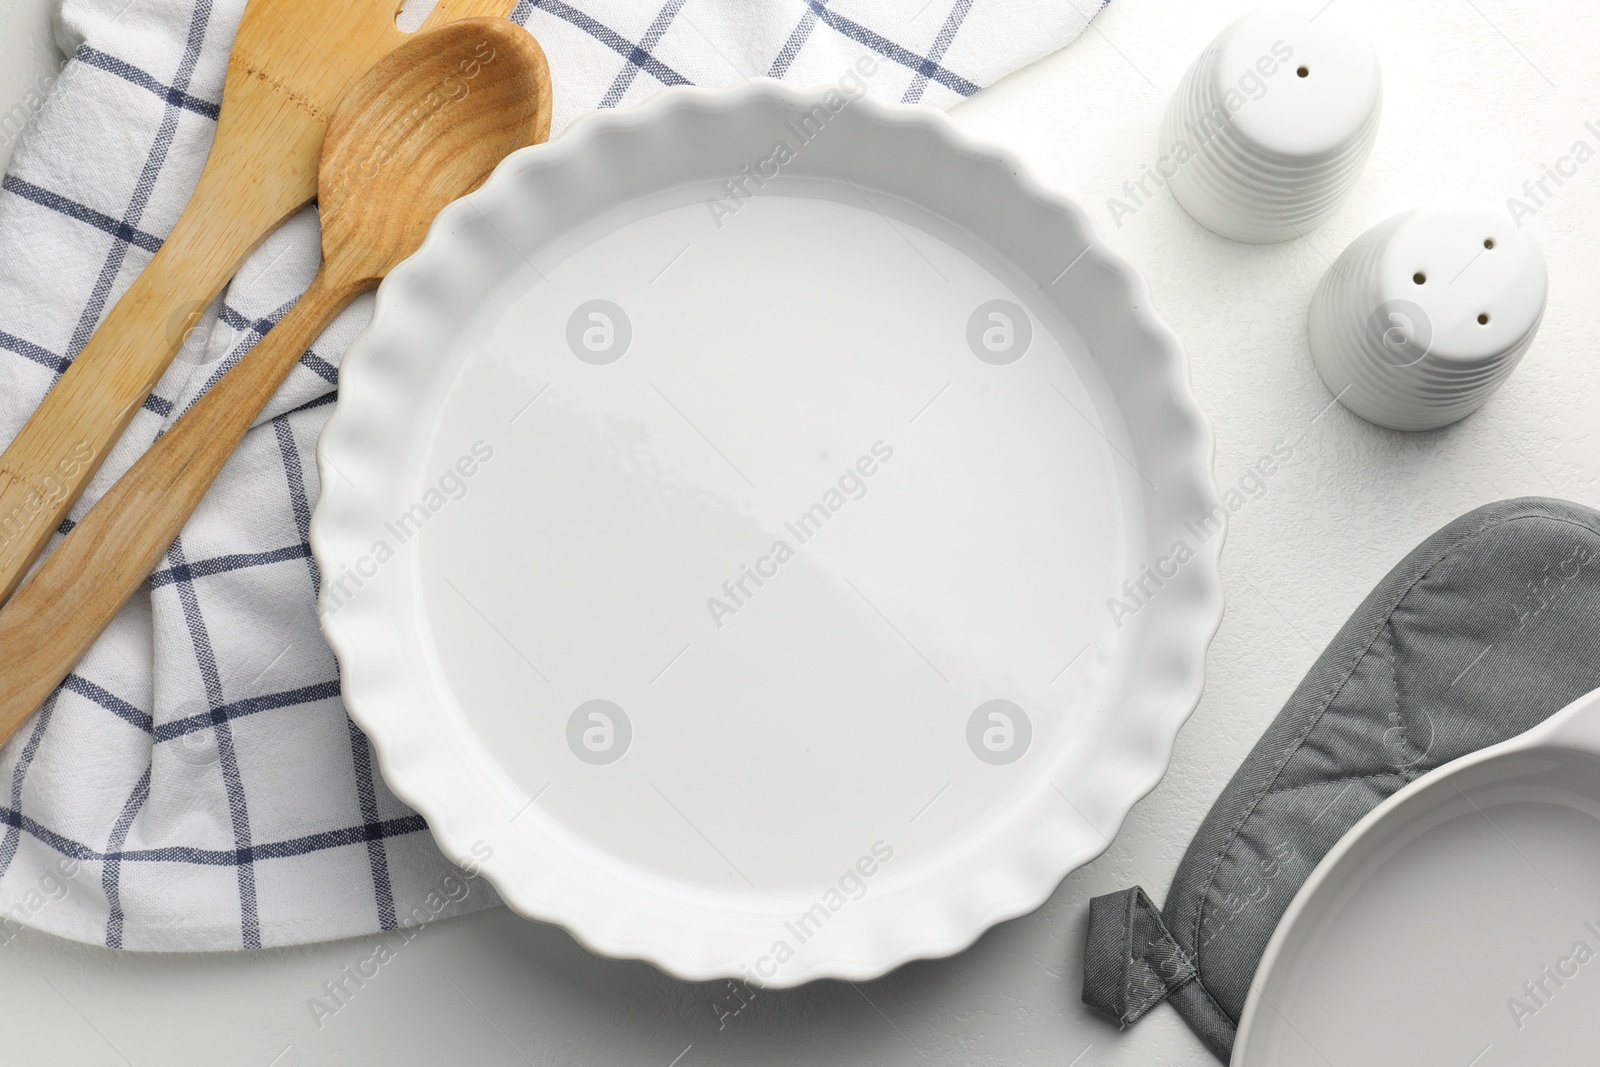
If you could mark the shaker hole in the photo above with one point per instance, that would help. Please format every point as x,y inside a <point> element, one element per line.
<point>1483,320</point>
<point>1419,277</point>
<point>1488,242</point>
<point>1304,72</point>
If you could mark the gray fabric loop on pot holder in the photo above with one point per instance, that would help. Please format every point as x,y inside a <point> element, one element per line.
<point>1485,630</point>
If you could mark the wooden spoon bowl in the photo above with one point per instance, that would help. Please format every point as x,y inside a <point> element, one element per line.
<point>427,127</point>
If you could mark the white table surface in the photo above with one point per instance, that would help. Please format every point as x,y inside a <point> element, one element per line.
<point>1481,95</point>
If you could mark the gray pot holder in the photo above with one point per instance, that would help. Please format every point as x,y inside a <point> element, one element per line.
<point>1485,630</point>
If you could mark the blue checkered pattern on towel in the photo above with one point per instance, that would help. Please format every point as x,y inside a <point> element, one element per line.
<point>198,765</point>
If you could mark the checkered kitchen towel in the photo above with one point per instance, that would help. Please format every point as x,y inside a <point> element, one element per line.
<point>195,783</point>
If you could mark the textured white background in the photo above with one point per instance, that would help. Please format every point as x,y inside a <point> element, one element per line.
<point>1481,95</point>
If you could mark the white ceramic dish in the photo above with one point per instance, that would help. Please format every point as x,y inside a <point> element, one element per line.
<point>622,374</point>
<point>1445,927</point>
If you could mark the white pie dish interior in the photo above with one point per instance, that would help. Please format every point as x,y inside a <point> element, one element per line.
<point>614,381</point>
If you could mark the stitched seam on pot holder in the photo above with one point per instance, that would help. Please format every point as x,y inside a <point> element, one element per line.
<point>1127,955</point>
<point>1311,724</point>
<point>1393,659</point>
<point>1331,781</point>
<point>1213,1000</point>
<point>1411,771</point>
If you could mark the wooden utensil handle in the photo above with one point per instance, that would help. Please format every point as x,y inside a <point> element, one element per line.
<point>57,614</point>
<point>45,468</point>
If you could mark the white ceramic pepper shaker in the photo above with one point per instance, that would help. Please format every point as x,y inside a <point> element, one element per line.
<point>1270,128</point>
<point>1425,315</point>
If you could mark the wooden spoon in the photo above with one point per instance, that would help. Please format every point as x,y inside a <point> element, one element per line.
<point>425,126</point>
<point>292,62</point>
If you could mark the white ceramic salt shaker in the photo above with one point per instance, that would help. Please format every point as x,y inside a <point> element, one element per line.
<point>1270,128</point>
<point>1425,315</point>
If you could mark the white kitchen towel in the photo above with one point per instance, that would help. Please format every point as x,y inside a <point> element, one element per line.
<point>196,783</point>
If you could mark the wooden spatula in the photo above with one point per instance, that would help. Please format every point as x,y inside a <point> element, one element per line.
<point>292,62</point>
